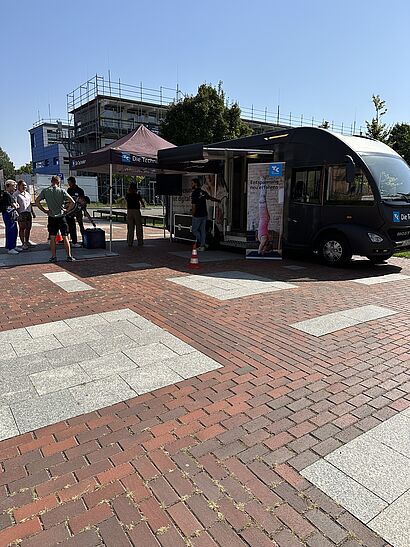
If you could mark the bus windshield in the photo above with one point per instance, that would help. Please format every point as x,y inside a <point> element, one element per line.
<point>391,174</point>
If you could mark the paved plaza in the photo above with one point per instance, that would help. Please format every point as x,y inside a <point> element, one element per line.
<point>248,403</point>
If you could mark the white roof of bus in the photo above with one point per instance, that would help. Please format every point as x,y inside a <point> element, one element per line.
<point>366,146</point>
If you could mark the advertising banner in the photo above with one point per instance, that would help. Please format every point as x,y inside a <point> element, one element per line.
<point>265,197</point>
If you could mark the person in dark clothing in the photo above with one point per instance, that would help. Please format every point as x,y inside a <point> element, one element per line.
<point>200,212</point>
<point>75,192</point>
<point>9,207</point>
<point>80,207</point>
<point>134,220</point>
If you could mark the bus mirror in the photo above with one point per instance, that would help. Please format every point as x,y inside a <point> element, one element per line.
<point>350,170</point>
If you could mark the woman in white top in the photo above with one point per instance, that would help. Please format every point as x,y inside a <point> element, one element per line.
<point>25,212</point>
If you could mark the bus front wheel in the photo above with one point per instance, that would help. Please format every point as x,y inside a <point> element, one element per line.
<point>334,249</point>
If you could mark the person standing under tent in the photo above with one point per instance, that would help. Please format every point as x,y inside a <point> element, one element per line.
<point>56,199</point>
<point>26,214</point>
<point>134,219</point>
<point>9,207</point>
<point>75,192</point>
<point>200,213</point>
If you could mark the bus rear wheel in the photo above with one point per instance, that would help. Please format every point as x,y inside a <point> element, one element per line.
<point>334,249</point>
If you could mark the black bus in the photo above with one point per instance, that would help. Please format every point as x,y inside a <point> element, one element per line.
<point>344,195</point>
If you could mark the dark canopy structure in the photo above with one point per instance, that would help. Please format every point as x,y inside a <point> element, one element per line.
<point>134,154</point>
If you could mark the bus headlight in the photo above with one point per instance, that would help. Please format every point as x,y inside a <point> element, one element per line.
<point>375,238</point>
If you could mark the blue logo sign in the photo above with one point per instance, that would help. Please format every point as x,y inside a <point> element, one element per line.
<point>125,158</point>
<point>61,175</point>
<point>396,216</point>
<point>275,169</point>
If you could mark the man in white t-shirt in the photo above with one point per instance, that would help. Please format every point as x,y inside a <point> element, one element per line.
<point>25,212</point>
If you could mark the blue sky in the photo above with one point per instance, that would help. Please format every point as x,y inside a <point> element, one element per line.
<point>321,58</point>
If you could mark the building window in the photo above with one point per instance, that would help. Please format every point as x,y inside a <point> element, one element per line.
<point>66,160</point>
<point>306,185</point>
<point>55,161</point>
<point>341,192</point>
<point>33,140</point>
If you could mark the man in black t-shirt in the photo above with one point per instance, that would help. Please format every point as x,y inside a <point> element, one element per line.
<point>200,212</point>
<point>75,192</point>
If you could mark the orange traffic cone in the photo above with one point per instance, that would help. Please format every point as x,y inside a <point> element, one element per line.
<point>59,238</point>
<point>194,262</point>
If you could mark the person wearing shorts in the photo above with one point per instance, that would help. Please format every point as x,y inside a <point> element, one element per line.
<point>26,214</point>
<point>56,199</point>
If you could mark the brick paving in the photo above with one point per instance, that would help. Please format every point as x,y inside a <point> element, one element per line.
<point>215,459</point>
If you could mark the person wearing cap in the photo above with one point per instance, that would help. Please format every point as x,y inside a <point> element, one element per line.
<point>200,213</point>
<point>9,208</point>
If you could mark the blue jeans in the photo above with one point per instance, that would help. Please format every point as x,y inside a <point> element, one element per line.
<point>199,229</point>
<point>11,231</point>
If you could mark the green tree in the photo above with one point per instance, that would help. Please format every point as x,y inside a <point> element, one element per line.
<point>375,128</point>
<point>27,168</point>
<point>399,140</point>
<point>7,165</point>
<point>204,117</point>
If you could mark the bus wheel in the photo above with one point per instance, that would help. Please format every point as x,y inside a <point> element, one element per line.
<point>334,250</point>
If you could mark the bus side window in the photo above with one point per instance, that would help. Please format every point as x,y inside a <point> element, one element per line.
<point>341,192</point>
<point>306,185</point>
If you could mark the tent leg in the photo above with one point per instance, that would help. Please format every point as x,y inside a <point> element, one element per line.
<point>110,207</point>
<point>214,213</point>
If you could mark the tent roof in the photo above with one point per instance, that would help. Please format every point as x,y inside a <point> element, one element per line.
<point>141,141</point>
<point>136,153</point>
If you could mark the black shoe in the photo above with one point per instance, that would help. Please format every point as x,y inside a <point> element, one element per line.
<point>52,259</point>
<point>70,259</point>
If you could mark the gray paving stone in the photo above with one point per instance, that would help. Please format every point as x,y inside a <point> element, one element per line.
<point>347,492</point>
<point>59,276</point>
<point>77,336</point>
<point>7,350</point>
<point>144,324</point>
<point>150,377</point>
<point>140,265</point>
<point>15,335</point>
<point>374,465</point>
<point>56,379</point>
<point>8,426</point>
<point>151,353</point>
<point>15,388</point>
<point>107,365</point>
<point>74,286</point>
<point>68,355</point>
<point>177,345</point>
<point>41,411</point>
<point>192,364</point>
<point>100,393</point>
<point>118,315</point>
<point>393,524</point>
<point>113,344</point>
<point>37,345</point>
<point>22,366</point>
<point>395,433</point>
<point>86,321</point>
<point>294,267</point>
<point>119,328</point>
<point>368,313</point>
<point>381,279</point>
<point>45,329</point>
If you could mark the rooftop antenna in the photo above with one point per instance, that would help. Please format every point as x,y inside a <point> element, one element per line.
<point>109,80</point>
<point>49,112</point>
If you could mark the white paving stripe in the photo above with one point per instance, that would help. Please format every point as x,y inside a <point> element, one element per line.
<point>68,282</point>
<point>370,477</point>
<point>58,370</point>
<point>375,280</point>
<point>231,284</point>
<point>332,322</point>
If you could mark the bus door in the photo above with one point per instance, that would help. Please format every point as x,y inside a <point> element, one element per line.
<point>304,208</point>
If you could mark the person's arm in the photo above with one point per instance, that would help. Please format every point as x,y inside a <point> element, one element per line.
<point>212,199</point>
<point>37,203</point>
<point>71,203</point>
<point>87,214</point>
<point>141,201</point>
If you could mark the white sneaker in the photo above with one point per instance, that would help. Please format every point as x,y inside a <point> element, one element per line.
<point>31,244</point>
<point>13,252</point>
<point>202,248</point>
<point>19,248</point>
<point>76,245</point>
